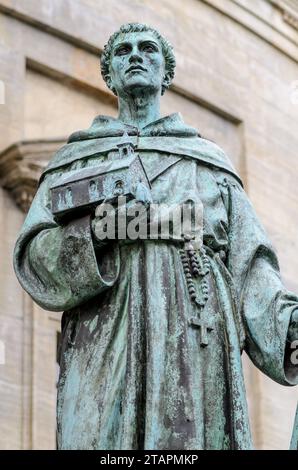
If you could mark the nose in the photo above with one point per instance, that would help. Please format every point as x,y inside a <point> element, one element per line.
<point>135,56</point>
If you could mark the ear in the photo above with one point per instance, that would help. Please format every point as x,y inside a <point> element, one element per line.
<point>166,83</point>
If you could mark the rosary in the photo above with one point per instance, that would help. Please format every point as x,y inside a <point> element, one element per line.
<point>196,265</point>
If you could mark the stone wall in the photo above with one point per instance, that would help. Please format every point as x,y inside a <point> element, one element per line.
<point>236,66</point>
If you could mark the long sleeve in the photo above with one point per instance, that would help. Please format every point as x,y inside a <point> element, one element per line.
<point>57,265</point>
<point>265,305</point>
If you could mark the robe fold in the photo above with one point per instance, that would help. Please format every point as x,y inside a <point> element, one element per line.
<point>133,373</point>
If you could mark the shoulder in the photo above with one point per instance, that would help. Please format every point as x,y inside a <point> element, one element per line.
<point>211,154</point>
<point>214,151</point>
<point>226,181</point>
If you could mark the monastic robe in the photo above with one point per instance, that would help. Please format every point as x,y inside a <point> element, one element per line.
<point>133,372</point>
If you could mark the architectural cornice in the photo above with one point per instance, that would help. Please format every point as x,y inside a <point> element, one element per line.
<point>290,12</point>
<point>290,19</point>
<point>21,165</point>
<point>268,27</point>
<point>88,39</point>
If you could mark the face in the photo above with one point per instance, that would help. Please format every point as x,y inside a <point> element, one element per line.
<point>137,64</point>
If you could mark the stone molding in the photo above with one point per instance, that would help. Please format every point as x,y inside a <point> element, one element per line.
<point>50,20</point>
<point>289,11</point>
<point>290,15</point>
<point>21,165</point>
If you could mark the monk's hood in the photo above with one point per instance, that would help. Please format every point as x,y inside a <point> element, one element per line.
<point>166,135</point>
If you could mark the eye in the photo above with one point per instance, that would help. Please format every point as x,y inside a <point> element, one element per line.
<point>122,50</point>
<point>149,48</point>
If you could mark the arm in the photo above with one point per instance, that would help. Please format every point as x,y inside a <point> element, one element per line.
<point>58,265</point>
<point>268,310</point>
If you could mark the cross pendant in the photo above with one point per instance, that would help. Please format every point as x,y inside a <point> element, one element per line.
<point>205,328</point>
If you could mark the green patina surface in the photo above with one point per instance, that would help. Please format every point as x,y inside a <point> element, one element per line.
<point>135,372</point>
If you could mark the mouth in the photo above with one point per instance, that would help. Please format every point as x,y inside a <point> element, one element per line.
<point>136,68</point>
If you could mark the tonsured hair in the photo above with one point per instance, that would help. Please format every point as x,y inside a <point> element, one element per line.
<point>167,51</point>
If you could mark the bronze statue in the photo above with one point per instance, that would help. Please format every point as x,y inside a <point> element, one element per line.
<point>153,329</point>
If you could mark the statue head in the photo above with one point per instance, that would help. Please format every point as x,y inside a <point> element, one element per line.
<point>137,58</point>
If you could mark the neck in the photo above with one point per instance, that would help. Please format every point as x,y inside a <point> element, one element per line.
<point>139,110</point>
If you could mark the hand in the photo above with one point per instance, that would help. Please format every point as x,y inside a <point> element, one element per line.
<point>113,223</point>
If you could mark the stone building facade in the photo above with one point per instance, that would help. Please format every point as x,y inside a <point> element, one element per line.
<point>236,81</point>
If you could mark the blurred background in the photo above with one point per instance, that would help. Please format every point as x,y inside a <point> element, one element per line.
<point>236,81</point>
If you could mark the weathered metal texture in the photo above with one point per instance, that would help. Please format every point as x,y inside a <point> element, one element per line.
<point>153,331</point>
<point>85,189</point>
